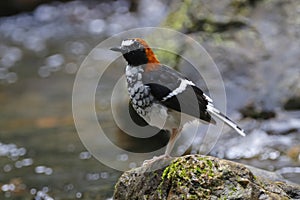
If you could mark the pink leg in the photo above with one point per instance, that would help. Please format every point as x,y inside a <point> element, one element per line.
<point>174,136</point>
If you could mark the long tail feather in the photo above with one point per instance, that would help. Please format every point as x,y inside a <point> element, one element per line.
<point>215,112</point>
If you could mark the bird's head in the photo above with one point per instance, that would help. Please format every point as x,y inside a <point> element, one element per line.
<point>136,52</point>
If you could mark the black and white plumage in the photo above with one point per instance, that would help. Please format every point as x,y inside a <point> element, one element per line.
<point>163,97</point>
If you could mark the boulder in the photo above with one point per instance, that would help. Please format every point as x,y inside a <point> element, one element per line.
<point>202,177</point>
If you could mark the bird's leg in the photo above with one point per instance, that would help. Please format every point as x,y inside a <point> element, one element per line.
<point>174,136</point>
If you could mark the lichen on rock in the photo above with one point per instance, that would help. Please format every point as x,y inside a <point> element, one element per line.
<point>201,177</point>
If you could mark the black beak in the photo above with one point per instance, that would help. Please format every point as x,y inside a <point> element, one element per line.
<point>118,49</point>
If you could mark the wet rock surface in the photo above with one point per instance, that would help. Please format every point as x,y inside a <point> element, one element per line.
<point>202,177</point>
<point>254,44</point>
<point>270,144</point>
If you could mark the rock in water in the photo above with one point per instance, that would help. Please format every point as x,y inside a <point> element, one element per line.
<point>202,177</point>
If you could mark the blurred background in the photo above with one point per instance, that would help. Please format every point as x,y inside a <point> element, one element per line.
<point>255,44</point>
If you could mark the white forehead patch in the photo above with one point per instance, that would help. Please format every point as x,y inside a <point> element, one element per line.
<point>127,42</point>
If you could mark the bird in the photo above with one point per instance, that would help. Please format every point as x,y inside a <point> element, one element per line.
<point>163,97</point>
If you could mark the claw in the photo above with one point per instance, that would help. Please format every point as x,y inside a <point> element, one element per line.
<point>156,159</point>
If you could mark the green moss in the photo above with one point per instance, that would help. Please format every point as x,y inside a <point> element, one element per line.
<point>179,18</point>
<point>170,57</point>
<point>170,171</point>
<point>193,196</point>
<point>175,170</point>
<point>254,177</point>
<point>206,168</point>
<point>243,7</point>
<point>185,174</point>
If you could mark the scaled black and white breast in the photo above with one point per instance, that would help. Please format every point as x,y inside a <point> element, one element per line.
<point>139,93</point>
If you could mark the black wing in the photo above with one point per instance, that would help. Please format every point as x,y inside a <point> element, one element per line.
<point>136,117</point>
<point>163,81</point>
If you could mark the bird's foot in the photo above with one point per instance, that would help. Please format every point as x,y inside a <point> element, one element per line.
<point>156,159</point>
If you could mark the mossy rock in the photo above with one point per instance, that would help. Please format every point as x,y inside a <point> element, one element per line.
<point>201,177</point>
<point>198,15</point>
<point>293,103</point>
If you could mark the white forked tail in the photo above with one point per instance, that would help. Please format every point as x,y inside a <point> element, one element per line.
<point>215,112</point>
